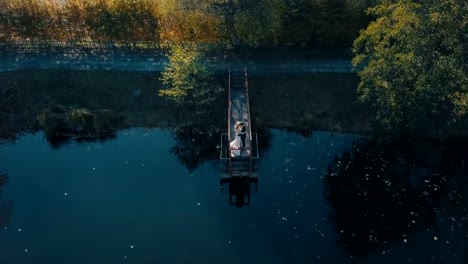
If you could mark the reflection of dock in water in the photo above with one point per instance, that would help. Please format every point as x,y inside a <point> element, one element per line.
<point>239,163</point>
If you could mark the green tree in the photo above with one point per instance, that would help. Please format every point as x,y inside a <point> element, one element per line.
<point>188,81</point>
<point>259,23</point>
<point>297,16</point>
<point>134,21</point>
<point>337,23</point>
<point>412,66</point>
<point>5,207</point>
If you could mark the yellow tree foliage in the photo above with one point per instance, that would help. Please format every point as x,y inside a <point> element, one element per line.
<point>33,19</point>
<point>412,65</point>
<point>235,22</point>
<point>189,21</point>
<point>188,81</point>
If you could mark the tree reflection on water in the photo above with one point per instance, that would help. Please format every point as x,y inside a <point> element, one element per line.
<point>386,190</point>
<point>194,144</point>
<point>57,141</point>
<point>5,206</point>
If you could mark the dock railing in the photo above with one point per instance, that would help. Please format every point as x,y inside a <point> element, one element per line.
<point>229,164</point>
<point>248,102</point>
<point>229,106</point>
<point>247,158</point>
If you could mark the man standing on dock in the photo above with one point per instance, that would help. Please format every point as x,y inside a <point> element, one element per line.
<point>243,133</point>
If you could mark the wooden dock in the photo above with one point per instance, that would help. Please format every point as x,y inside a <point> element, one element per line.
<point>239,110</point>
<point>238,164</point>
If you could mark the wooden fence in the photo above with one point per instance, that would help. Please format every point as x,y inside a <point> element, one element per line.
<point>88,46</point>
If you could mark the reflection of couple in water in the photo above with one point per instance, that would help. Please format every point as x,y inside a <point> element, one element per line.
<point>241,133</point>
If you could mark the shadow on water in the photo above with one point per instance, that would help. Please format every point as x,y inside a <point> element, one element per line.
<point>265,138</point>
<point>194,144</point>
<point>62,125</point>
<point>5,206</point>
<point>57,141</point>
<point>239,189</point>
<point>388,190</point>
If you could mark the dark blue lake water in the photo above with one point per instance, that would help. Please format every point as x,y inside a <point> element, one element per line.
<point>130,200</point>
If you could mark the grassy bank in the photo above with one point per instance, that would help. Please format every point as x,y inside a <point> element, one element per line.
<point>309,102</point>
<point>299,101</point>
<point>27,93</point>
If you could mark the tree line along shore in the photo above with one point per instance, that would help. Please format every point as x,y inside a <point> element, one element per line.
<point>262,23</point>
<point>411,55</point>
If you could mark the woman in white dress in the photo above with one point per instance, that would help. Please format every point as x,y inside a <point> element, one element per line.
<point>236,144</point>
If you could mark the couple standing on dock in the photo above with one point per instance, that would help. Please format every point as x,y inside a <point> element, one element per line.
<point>241,134</point>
